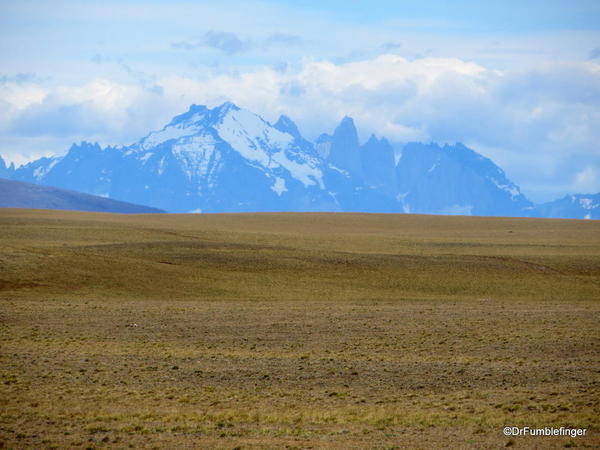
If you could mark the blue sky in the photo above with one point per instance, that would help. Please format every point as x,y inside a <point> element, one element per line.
<point>518,81</point>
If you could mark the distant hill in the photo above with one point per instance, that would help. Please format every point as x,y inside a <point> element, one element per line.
<point>18,194</point>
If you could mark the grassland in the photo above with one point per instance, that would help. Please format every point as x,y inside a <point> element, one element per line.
<point>296,330</point>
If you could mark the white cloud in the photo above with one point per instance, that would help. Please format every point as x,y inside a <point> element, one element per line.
<point>587,181</point>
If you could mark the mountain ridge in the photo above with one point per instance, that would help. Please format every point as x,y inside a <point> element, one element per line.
<point>19,194</point>
<point>228,159</point>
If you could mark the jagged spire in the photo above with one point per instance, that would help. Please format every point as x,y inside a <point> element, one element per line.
<point>344,147</point>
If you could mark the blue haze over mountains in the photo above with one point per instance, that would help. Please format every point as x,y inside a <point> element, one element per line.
<point>227,159</point>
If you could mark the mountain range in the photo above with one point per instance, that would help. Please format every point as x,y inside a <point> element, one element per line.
<point>228,159</point>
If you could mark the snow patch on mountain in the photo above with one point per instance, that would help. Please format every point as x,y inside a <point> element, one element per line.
<point>511,189</point>
<point>587,203</point>
<point>41,171</point>
<point>337,169</point>
<point>308,174</point>
<point>248,134</point>
<point>161,166</point>
<point>279,186</point>
<point>196,153</point>
<point>252,138</point>
<point>146,156</point>
<point>168,133</point>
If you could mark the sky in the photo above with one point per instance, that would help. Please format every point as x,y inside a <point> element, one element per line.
<point>517,81</point>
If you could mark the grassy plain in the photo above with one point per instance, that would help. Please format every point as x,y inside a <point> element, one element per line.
<point>296,330</point>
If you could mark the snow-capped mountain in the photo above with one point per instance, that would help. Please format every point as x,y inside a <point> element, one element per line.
<point>228,159</point>
<point>576,206</point>
<point>210,160</point>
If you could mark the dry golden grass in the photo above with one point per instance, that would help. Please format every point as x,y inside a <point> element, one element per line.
<point>296,330</point>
